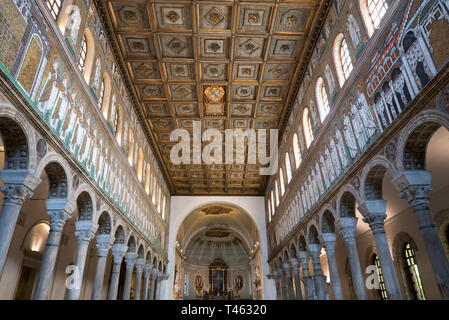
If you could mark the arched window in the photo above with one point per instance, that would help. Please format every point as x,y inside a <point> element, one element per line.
<point>272,203</point>
<point>322,100</point>
<point>159,200</point>
<point>118,131</point>
<point>288,167</point>
<point>163,208</point>
<point>296,150</point>
<point>147,179</point>
<point>83,54</point>
<point>153,193</point>
<point>101,95</point>
<point>55,7</point>
<point>380,277</point>
<point>130,147</point>
<point>307,125</point>
<point>343,62</point>
<point>413,271</point>
<point>104,97</point>
<point>87,55</point>
<point>140,164</point>
<point>281,181</point>
<point>373,11</point>
<point>276,185</point>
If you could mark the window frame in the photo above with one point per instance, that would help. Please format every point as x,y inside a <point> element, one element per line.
<point>54,7</point>
<point>413,270</point>
<point>322,99</point>
<point>82,58</point>
<point>296,150</point>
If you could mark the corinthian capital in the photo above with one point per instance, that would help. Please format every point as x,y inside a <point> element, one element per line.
<point>416,195</point>
<point>346,227</point>
<point>57,219</point>
<point>328,240</point>
<point>414,186</point>
<point>15,194</point>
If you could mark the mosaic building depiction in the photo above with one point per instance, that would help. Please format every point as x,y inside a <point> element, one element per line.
<point>91,90</point>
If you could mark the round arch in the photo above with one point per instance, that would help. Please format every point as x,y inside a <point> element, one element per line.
<point>253,207</point>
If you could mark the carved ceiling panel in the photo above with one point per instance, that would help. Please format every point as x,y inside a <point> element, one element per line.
<point>227,64</point>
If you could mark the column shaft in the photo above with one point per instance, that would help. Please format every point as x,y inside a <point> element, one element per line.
<point>435,250</point>
<point>296,276</point>
<point>145,286</point>
<point>113,288</point>
<point>356,270</point>
<point>74,292</point>
<point>45,277</point>
<point>99,277</point>
<point>13,200</point>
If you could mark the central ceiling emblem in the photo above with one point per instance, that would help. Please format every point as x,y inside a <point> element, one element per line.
<point>214,94</point>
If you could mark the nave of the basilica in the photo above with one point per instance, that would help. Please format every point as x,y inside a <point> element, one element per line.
<point>96,205</point>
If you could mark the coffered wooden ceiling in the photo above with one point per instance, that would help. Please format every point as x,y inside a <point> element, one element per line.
<point>228,64</point>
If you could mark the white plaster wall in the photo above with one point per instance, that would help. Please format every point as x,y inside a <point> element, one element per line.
<point>181,206</point>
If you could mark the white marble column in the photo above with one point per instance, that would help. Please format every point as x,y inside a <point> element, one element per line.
<point>415,187</point>
<point>15,191</point>
<point>320,280</point>
<point>295,268</point>
<point>118,252</point>
<point>309,286</point>
<point>139,269</point>
<point>346,227</point>
<point>288,280</point>
<point>130,259</point>
<point>274,276</point>
<point>160,282</point>
<point>281,273</point>
<point>154,275</point>
<point>374,212</point>
<point>328,240</point>
<point>146,275</point>
<point>103,246</point>
<point>58,217</point>
<point>85,232</point>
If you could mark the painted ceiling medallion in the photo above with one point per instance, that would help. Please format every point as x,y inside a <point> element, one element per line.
<point>284,47</point>
<point>241,108</point>
<point>151,91</point>
<point>145,70</point>
<point>214,71</point>
<point>213,46</point>
<point>244,91</point>
<point>277,71</point>
<point>182,91</point>
<point>249,46</point>
<point>291,19</point>
<point>180,70</point>
<point>130,15</point>
<point>176,45</point>
<point>173,16</point>
<point>214,17</point>
<point>161,123</point>
<point>254,17</point>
